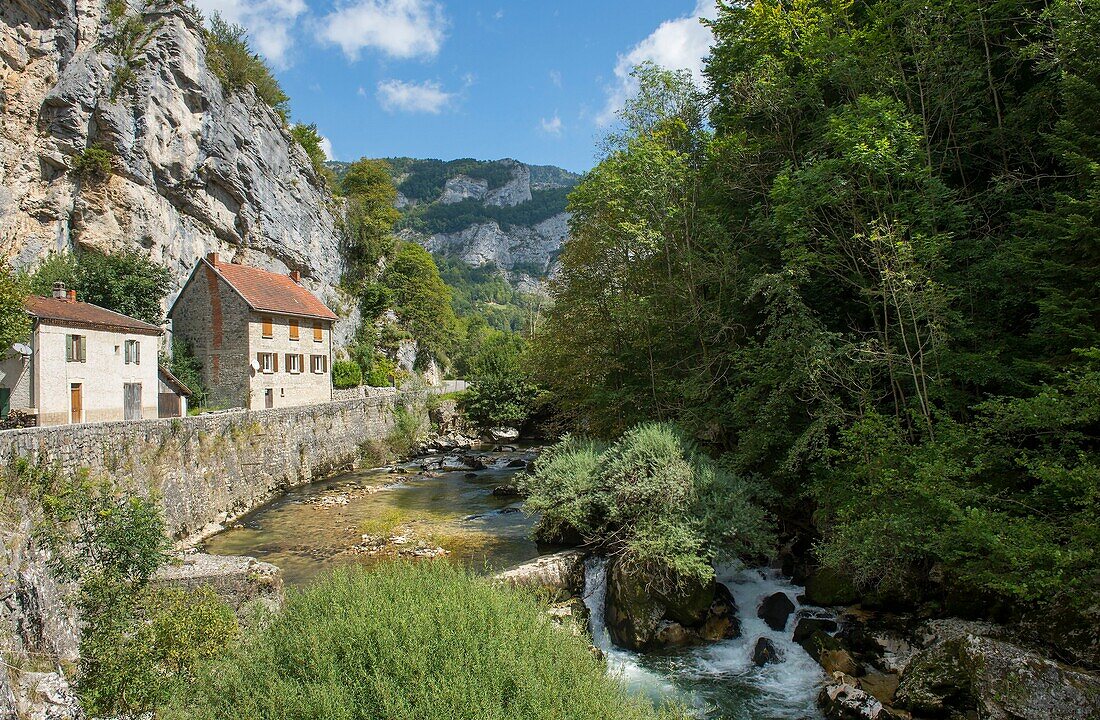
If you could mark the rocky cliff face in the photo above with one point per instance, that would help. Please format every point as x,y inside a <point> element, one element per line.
<point>518,225</point>
<point>194,169</point>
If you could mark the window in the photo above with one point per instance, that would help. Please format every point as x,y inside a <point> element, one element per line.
<point>76,348</point>
<point>318,331</point>
<point>318,364</point>
<point>269,362</point>
<point>293,363</point>
<point>5,402</point>
<point>267,330</point>
<point>133,352</point>
<point>293,324</point>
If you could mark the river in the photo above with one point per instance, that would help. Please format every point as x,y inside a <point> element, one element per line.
<point>315,528</point>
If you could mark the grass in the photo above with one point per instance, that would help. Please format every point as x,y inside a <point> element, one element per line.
<point>410,642</point>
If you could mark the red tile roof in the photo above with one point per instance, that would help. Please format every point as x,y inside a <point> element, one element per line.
<point>272,292</point>
<point>85,315</point>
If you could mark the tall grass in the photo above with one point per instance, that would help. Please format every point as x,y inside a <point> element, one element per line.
<point>410,642</point>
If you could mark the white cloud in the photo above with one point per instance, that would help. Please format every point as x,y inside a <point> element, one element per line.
<point>555,77</point>
<point>426,97</point>
<point>398,28</point>
<point>326,145</point>
<point>269,23</point>
<point>680,44</point>
<point>553,126</point>
<point>361,92</point>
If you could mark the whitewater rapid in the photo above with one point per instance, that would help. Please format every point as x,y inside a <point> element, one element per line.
<point>721,680</point>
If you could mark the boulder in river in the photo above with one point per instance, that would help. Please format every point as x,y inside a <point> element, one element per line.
<point>808,626</point>
<point>503,434</point>
<point>995,680</point>
<point>844,699</point>
<point>561,574</point>
<point>722,622</point>
<point>765,653</point>
<point>637,602</point>
<point>775,609</point>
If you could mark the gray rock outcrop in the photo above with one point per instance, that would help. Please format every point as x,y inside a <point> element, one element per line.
<point>194,168</point>
<point>560,574</point>
<point>514,192</point>
<point>462,188</point>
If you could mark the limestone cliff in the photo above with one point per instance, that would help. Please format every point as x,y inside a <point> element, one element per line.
<point>194,168</point>
<point>501,212</point>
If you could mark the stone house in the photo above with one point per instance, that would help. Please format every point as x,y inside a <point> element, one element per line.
<point>263,339</point>
<point>83,363</point>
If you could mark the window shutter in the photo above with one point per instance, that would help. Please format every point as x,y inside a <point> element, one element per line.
<point>68,348</point>
<point>267,330</point>
<point>137,356</point>
<point>83,348</point>
<point>293,329</point>
<point>275,362</point>
<point>318,331</point>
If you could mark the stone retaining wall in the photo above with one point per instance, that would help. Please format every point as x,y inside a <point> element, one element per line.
<point>210,468</point>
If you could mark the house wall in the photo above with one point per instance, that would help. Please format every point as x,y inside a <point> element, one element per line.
<point>15,375</point>
<point>208,469</point>
<point>101,377</point>
<point>211,317</point>
<point>289,389</point>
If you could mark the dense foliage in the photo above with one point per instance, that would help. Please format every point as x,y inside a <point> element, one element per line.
<point>188,370</point>
<point>230,58</point>
<point>15,324</point>
<point>862,267</point>
<point>421,641</point>
<point>346,374</point>
<point>421,301</point>
<point>126,282</point>
<point>136,640</point>
<point>501,392</point>
<point>311,141</point>
<point>484,293</point>
<point>651,499</point>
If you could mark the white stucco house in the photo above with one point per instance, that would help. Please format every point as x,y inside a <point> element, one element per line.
<point>86,364</point>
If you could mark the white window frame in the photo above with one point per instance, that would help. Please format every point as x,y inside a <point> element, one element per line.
<point>318,364</point>
<point>294,363</point>
<point>267,363</point>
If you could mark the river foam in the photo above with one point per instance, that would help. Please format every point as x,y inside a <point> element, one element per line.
<point>720,680</point>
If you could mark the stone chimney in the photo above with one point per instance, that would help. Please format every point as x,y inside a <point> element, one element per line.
<point>212,258</point>
<point>296,276</point>
<point>72,296</point>
<point>59,292</point>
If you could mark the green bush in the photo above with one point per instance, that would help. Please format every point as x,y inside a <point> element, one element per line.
<point>408,430</point>
<point>411,641</point>
<point>230,58</point>
<point>94,164</point>
<point>346,374</point>
<point>127,282</point>
<point>651,498</point>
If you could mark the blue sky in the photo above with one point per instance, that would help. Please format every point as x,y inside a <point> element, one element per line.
<point>537,81</point>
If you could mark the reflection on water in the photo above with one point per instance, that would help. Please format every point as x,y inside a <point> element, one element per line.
<point>316,528</point>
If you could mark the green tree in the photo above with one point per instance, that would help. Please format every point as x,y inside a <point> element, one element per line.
<point>422,301</point>
<point>501,391</point>
<point>126,282</point>
<point>15,324</point>
<point>311,141</point>
<point>370,218</point>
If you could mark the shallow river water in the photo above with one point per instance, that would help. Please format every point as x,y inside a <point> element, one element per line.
<point>319,527</point>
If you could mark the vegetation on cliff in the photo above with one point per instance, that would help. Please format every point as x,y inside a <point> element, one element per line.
<point>863,268</point>
<point>409,641</point>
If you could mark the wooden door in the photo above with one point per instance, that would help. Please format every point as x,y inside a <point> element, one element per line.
<point>76,403</point>
<point>269,398</point>
<point>131,399</point>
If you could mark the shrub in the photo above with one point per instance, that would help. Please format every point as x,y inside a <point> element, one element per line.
<point>93,164</point>
<point>15,325</point>
<point>230,58</point>
<point>411,641</point>
<point>126,282</point>
<point>346,374</point>
<point>408,430</point>
<point>651,498</point>
<point>136,640</point>
<point>383,372</point>
<point>188,370</point>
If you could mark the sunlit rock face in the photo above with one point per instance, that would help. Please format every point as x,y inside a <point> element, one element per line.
<point>194,169</point>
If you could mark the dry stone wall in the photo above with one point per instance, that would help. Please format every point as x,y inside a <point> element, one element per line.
<point>208,469</point>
